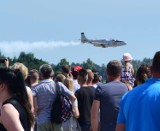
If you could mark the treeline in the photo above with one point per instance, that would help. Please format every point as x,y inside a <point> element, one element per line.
<point>33,63</point>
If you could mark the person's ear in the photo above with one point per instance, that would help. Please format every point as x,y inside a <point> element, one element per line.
<point>2,86</point>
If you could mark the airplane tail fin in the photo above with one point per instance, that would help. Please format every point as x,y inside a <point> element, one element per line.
<point>83,38</point>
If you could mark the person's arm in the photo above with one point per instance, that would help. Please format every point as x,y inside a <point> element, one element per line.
<point>10,118</point>
<point>35,106</point>
<point>132,69</point>
<point>30,95</point>
<point>120,127</point>
<point>67,92</point>
<point>95,115</point>
<point>35,111</point>
<point>75,109</point>
<point>121,120</point>
<point>72,98</point>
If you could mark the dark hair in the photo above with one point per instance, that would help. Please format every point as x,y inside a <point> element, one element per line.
<point>66,68</point>
<point>16,85</point>
<point>75,74</point>
<point>156,62</point>
<point>46,70</point>
<point>114,68</point>
<point>96,77</point>
<point>83,74</point>
<point>143,73</point>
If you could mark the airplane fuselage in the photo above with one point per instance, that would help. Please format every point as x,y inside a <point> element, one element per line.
<point>105,43</point>
<point>102,43</point>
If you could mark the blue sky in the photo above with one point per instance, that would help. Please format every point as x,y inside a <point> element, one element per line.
<point>50,29</point>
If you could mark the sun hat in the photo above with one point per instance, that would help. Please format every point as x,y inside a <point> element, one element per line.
<point>127,57</point>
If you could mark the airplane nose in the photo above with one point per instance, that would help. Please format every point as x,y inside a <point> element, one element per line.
<point>124,43</point>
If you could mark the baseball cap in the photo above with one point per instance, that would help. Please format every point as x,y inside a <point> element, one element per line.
<point>76,68</point>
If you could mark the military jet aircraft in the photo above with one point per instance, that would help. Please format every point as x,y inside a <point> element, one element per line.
<point>102,43</point>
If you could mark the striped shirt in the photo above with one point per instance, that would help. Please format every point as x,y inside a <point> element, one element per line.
<point>45,94</point>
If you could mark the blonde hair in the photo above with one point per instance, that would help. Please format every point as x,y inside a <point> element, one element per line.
<point>68,82</point>
<point>22,68</point>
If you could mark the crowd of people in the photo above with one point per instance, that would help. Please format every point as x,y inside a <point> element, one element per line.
<point>128,101</point>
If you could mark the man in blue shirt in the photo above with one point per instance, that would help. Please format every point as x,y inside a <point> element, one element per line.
<point>107,99</point>
<point>140,108</point>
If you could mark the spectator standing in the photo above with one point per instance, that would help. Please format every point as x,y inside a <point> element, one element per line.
<point>71,124</point>
<point>107,99</point>
<point>45,94</point>
<point>97,79</point>
<point>139,110</point>
<point>75,70</point>
<point>66,70</point>
<point>16,112</point>
<point>34,77</point>
<point>85,96</point>
<point>143,73</point>
<point>59,78</point>
<point>24,71</point>
<point>90,77</point>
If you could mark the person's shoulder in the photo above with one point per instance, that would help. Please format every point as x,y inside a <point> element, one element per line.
<point>135,91</point>
<point>44,83</point>
<point>28,89</point>
<point>123,85</point>
<point>8,108</point>
<point>81,90</point>
<point>39,85</point>
<point>130,65</point>
<point>101,87</point>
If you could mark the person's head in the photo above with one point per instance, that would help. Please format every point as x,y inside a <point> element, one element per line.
<point>68,82</point>
<point>90,77</point>
<point>97,78</point>
<point>45,71</point>
<point>127,57</point>
<point>143,73</point>
<point>155,68</point>
<point>12,84</point>
<point>113,70</point>
<point>12,80</point>
<point>156,62</point>
<point>75,70</point>
<point>34,76</point>
<point>22,68</point>
<point>82,77</point>
<point>66,70</point>
<point>60,78</point>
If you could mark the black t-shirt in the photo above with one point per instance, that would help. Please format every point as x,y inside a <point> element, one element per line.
<point>22,113</point>
<point>85,97</point>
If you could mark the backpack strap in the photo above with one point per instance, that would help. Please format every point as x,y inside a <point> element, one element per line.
<point>58,88</point>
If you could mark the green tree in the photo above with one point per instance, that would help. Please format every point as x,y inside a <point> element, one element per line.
<point>29,60</point>
<point>88,64</point>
